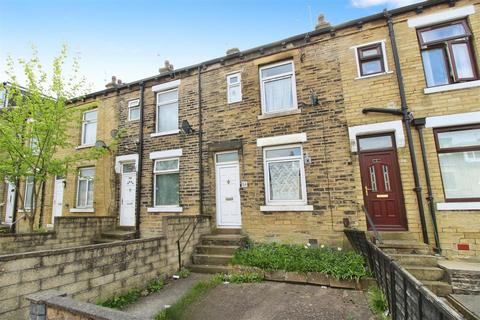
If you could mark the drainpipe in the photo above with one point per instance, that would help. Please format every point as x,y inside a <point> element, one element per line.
<point>140,163</point>
<point>420,125</point>
<point>15,205</point>
<point>407,118</point>
<point>42,206</point>
<point>200,142</point>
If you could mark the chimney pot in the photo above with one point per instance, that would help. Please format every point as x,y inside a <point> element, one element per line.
<point>321,22</point>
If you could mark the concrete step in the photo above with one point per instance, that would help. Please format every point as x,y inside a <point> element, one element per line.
<point>119,234</point>
<point>404,246</point>
<point>440,288</point>
<point>125,228</point>
<point>426,273</point>
<point>104,240</point>
<point>211,259</point>
<point>397,235</point>
<point>222,250</point>
<point>224,239</point>
<point>228,231</point>
<point>415,259</point>
<point>202,268</point>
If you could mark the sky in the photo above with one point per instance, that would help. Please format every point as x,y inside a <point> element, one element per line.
<point>131,39</point>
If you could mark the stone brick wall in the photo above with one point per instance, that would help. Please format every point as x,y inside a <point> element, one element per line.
<point>68,232</point>
<point>91,272</point>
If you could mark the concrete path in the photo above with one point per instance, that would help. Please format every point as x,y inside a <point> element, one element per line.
<point>280,301</point>
<point>149,307</point>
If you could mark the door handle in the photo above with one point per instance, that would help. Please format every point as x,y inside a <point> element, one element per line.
<point>366,190</point>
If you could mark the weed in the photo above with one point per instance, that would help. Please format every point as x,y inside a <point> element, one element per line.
<point>378,303</point>
<point>183,273</point>
<point>248,277</point>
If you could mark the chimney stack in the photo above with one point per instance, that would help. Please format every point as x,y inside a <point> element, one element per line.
<point>321,22</point>
<point>115,82</point>
<point>232,51</point>
<point>168,67</point>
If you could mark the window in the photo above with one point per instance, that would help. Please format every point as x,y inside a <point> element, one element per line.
<point>447,53</point>
<point>458,153</point>
<point>284,176</point>
<point>371,59</point>
<point>167,111</point>
<point>278,88</point>
<point>85,186</point>
<point>134,110</point>
<point>3,98</point>
<point>27,201</point>
<point>234,88</point>
<point>89,128</point>
<point>34,146</point>
<point>166,182</point>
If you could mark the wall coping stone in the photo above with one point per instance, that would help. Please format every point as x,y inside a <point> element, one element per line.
<point>15,235</point>
<point>22,255</point>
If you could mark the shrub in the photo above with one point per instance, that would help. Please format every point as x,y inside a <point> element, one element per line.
<point>273,257</point>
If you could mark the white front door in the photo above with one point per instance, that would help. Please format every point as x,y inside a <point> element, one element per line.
<point>57,206</point>
<point>228,190</point>
<point>9,205</point>
<point>128,191</point>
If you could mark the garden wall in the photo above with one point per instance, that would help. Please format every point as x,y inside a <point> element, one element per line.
<point>91,272</point>
<point>68,232</point>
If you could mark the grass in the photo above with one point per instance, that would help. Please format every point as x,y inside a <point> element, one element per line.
<point>183,273</point>
<point>177,310</point>
<point>378,303</point>
<point>121,301</point>
<point>248,277</point>
<point>273,257</point>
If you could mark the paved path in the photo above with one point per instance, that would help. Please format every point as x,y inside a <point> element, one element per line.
<point>150,306</point>
<point>280,301</point>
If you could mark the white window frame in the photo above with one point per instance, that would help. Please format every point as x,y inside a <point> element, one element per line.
<point>89,181</point>
<point>384,56</point>
<point>26,203</point>
<point>303,184</point>
<point>34,146</point>
<point>280,76</point>
<point>133,104</point>
<point>229,86</point>
<point>84,123</point>
<point>164,208</point>
<point>157,113</point>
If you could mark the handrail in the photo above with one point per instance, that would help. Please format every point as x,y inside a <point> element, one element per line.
<point>370,222</point>
<point>180,250</point>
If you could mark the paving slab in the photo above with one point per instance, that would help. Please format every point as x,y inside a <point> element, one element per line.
<point>280,301</point>
<point>148,307</point>
<point>460,265</point>
<point>469,304</point>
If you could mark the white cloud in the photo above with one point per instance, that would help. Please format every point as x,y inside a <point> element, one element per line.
<point>387,3</point>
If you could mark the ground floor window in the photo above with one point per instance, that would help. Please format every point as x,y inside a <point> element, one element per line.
<point>86,181</point>
<point>459,157</point>
<point>284,175</point>
<point>166,182</point>
<point>27,204</point>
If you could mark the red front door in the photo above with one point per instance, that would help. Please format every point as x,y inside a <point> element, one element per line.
<point>382,189</point>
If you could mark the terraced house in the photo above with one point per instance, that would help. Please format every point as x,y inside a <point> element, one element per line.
<point>372,124</point>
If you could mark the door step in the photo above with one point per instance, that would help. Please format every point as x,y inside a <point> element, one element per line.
<point>227,231</point>
<point>404,246</point>
<point>203,268</point>
<point>4,228</point>
<point>423,273</point>
<point>396,235</point>
<point>415,259</point>
<point>118,234</point>
<point>224,239</point>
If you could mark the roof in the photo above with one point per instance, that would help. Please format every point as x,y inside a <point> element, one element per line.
<point>349,24</point>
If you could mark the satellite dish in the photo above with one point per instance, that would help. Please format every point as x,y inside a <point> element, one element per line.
<point>186,127</point>
<point>101,144</point>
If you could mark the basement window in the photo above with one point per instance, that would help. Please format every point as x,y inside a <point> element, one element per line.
<point>134,110</point>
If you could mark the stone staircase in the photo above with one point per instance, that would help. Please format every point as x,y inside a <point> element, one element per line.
<point>418,259</point>
<point>215,251</point>
<point>117,234</point>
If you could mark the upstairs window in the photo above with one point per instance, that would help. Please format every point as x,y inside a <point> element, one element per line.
<point>234,88</point>
<point>86,179</point>
<point>166,182</point>
<point>459,156</point>
<point>371,60</point>
<point>447,53</point>
<point>278,87</point>
<point>134,110</point>
<point>167,111</point>
<point>89,128</point>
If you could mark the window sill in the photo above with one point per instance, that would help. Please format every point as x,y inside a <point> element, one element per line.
<point>165,133</point>
<point>286,208</point>
<point>373,75</point>
<point>165,209</point>
<point>84,146</point>
<point>453,86</point>
<point>279,114</point>
<point>446,206</point>
<point>82,210</point>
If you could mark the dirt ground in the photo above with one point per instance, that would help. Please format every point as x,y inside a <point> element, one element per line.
<point>280,301</point>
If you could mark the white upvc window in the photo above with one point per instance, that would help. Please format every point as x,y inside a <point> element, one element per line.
<point>89,128</point>
<point>234,87</point>
<point>167,112</point>
<point>166,183</point>
<point>134,110</point>
<point>27,201</point>
<point>278,88</point>
<point>34,146</point>
<point>284,175</point>
<point>86,181</point>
